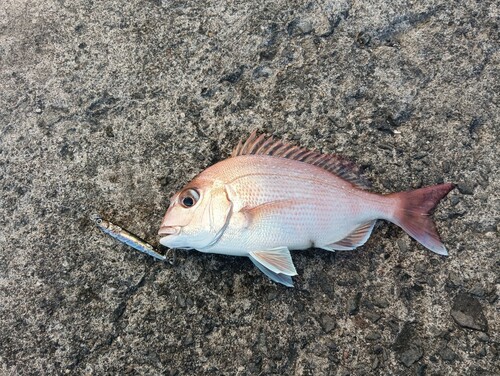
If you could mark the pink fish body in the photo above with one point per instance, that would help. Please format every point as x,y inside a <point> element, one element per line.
<point>271,197</point>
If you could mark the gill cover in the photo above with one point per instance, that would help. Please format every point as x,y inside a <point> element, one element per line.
<point>218,211</point>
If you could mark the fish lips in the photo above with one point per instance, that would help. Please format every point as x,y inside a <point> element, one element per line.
<point>167,233</point>
<point>168,230</point>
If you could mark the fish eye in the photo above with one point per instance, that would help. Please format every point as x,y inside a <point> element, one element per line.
<point>189,198</point>
<point>188,201</point>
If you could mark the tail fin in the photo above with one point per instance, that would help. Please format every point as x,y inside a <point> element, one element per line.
<point>412,214</point>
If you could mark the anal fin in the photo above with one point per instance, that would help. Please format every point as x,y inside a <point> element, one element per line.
<point>355,239</point>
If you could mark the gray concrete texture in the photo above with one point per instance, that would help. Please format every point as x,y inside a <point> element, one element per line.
<point>112,106</point>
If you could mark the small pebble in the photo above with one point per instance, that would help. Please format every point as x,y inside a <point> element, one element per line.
<point>373,336</point>
<point>109,131</point>
<point>420,155</point>
<point>233,77</point>
<point>372,316</point>
<point>492,298</point>
<point>421,370</point>
<point>411,356</point>
<point>448,355</point>
<point>465,188</point>
<point>380,302</point>
<point>478,289</point>
<point>272,295</point>
<point>402,245</point>
<point>353,305</point>
<point>181,301</point>
<point>164,181</point>
<point>298,27</point>
<point>483,337</point>
<point>363,38</point>
<point>481,353</point>
<point>455,279</point>
<point>188,340</point>
<point>327,323</point>
<point>262,72</point>
<point>468,312</point>
<point>406,344</point>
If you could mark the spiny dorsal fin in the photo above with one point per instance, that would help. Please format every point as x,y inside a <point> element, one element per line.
<point>268,145</point>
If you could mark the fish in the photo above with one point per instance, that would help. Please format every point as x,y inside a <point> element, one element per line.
<point>270,197</point>
<point>127,238</point>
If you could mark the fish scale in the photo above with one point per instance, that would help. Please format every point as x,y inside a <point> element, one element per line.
<point>318,213</point>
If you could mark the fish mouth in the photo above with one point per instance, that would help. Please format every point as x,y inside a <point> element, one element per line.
<point>168,230</point>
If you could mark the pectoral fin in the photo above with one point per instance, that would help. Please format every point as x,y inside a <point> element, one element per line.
<point>278,260</point>
<point>279,278</point>
<point>255,213</point>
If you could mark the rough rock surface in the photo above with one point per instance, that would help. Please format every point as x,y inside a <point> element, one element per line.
<point>112,106</point>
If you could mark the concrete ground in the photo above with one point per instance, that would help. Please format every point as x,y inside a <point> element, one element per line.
<point>112,106</point>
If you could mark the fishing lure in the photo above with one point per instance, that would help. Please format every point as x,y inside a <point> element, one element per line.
<point>131,240</point>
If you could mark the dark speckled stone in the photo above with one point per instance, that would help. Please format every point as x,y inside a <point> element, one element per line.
<point>468,313</point>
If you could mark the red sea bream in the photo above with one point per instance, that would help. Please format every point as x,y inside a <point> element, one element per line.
<point>270,197</point>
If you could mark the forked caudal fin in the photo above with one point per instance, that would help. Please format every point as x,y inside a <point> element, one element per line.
<point>413,214</point>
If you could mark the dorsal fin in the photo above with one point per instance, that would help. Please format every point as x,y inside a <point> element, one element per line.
<point>268,145</point>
